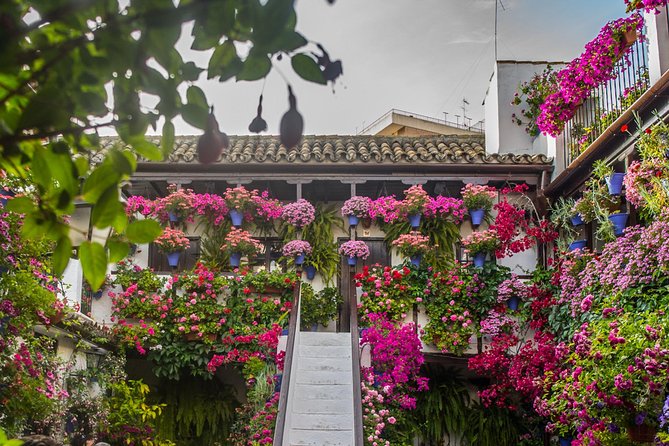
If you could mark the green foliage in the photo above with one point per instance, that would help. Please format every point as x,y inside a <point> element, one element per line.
<point>443,235</point>
<point>4,441</point>
<point>56,59</point>
<point>128,273</point>
<point>318,308</point>
<point>196,412</point>
<point>561,213</point>
<point>178,358</point>
<point>491,426</point>
<point>320,234</point>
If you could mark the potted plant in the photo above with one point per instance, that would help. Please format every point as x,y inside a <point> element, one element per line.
<point>172,242</point>
<point>355,208</point>
<point>479,244</point>
<point>318,308</point>
<point>240,200</point>
<point>354,250</point>
<point>478,200</point>
<point>127,274</point>
<point>414,203</point>
<point>512,291</point>
<point>299,213</point>
<point>240,243</point>
<point>178,204</point>
<point>298,249</point>
<point>533,93</point>
<point>413,245</point>
<point>309,269</point>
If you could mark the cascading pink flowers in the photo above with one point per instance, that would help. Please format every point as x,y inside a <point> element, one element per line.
<point>299,213</point>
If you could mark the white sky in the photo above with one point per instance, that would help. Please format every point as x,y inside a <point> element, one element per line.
<point>422,56</point>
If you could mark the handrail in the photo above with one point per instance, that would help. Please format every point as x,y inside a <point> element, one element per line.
<point>288,362</point>
<point>355,358</point>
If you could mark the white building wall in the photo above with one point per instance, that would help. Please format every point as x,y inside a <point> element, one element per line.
<point>491,103</point>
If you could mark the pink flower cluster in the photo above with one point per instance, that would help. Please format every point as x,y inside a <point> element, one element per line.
<point>172,240</point>
<point>240,198</point>
<point>138,204</point>
<point>357,205</point>
<point>354,248</point>
<point>591,69</point>
<point>415,200</point>
<point>268,209</point>
<point>211,206</point>
<point>299,213</point>
<point>296,247</point>
<point>476,196</point>
<point>239,240</point>
<point>385,208</point>
<point>413,243</point>
<point>481,241</point>
<point>646,5</point>
<point>446,208</point>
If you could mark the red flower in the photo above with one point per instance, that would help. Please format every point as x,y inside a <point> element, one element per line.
<point>624,128</point>
<point>648,131</point>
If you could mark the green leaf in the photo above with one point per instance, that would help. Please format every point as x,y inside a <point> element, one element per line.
<point>195,115</point>
<point>20,205</point>
<point>94,263</point>
<point>256,66</point>
<point>143,231</point>
<point>61,255</point>
<point>103,177</point>
<point>224,62</point>
<point>196,96</point>
<point>107,208</point>
<point>146,149</point>
<point>117,250</point>
<point>307,68</point>
<point>167,141</point>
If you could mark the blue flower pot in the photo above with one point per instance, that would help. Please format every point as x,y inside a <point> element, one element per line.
<point>277,383</point>
<point>236,216</point>
<point>285,332</point>
<point>477,216</point>
<point>577,244</point>
<point>513,302</point>
<point>174,218</point>
<point>4,195</point>
<point>235,259</point>
<point>565,441</point>
<point>97,294</point>
<point>299,259</point>
<point>619,221</point>
<point>352,261</point>
<point>314,327</point>
<point>414,220</point>
<point>353,220</point>
<point>415,260</point>
<point>577,220</point>
<point>615,183</point>
<point>311,271</point>
<point>173,258</point>
<point>479,259</point>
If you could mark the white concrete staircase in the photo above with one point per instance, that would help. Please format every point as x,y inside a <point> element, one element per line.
<point>320,401</point>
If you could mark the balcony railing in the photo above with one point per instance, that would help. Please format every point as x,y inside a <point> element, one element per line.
<point>608,101</point>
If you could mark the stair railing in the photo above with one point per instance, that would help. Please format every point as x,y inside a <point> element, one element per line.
<point>293,328</point>
<point>355,358</point>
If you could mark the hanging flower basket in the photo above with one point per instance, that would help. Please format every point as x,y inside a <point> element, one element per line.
<point>479,259</point>
<point>415,260</point>
<point>513,303</point>
<point>237,217</point>
<point>174,218</point>
<point>619,221</point>
<point>354,249</point>
<point>352,261</point>
<point>615,183</point>
<point>299,259</point>
<point>353,220</point>
<point>629,37</point>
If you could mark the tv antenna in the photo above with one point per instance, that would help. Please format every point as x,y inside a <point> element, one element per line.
<point>497,3</point>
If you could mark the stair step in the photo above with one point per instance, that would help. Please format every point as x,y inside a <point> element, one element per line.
<point>331,339</point>
<point>324,364</point>
<point>320,351</point>
<point>301,437</point>
<point>320,377</point>
<point>323,422</point>
<point>320,392</point>
<point>323,406</point>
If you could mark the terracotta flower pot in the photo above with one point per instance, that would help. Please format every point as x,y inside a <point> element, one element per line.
<point>629,37</point>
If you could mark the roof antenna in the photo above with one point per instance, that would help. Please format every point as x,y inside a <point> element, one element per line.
<point>497,2</point>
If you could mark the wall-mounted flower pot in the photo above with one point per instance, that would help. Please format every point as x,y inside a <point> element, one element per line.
<point>477,216</point>
<point>619,221</point>
<point>285,332</point>
<point>235,259</point>
<point>353,220</point>
<point>236,216</point>
<point>577,244</point>
<point>615,183</point>
<point>414,220</point>
<point>479,259</point>
<point>415,260</point>
<point>174,218</point>
<point>565,441</point>
<point>299,259</point>
<point>310,270</point>
<point>277,382</point>
<point>173,258</point>
<point>629,37</point>
<point>4,195</point>
<point>513,303</point>
<point>352,261</point>
<point>577,220</point>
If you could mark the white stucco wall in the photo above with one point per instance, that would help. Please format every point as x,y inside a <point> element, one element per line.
<point>491,103</point>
